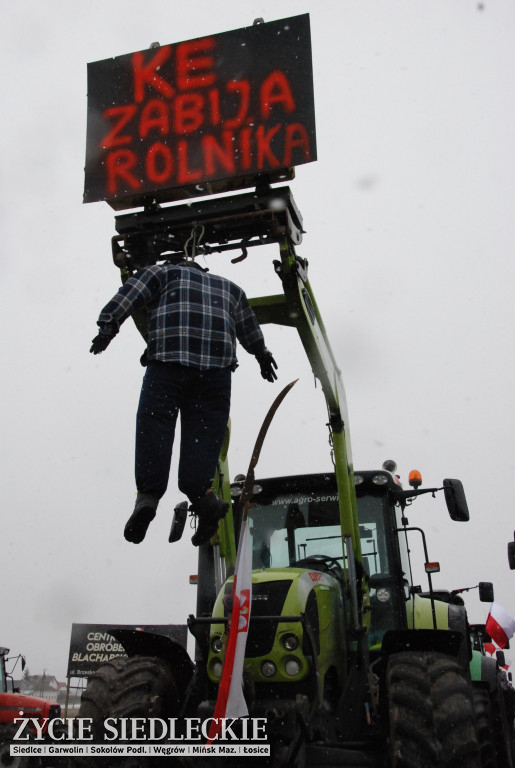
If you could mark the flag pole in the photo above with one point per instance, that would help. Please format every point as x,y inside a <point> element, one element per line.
<point>230,701</point>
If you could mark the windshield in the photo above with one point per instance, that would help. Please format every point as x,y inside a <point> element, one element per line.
<point>290,527</point>
<point>372,535</point>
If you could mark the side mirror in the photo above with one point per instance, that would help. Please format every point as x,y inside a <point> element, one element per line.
<point>501,660</point>
<point>511,554</point>
<point>180,515</point>
<point>486,591</point>
<point>456,501</point>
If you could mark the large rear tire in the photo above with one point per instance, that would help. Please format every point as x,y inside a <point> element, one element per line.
<point>432,723</point>
<point>134,687</point>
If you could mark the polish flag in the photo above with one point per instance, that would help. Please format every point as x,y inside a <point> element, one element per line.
<point>499,625</point>
<point>230,702</point>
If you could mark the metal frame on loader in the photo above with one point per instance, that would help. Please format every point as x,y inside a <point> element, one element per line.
<point>332,692</point>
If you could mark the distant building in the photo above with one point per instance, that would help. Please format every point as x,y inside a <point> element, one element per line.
<point>43,686</point>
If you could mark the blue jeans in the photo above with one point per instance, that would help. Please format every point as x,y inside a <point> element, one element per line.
<point>203,400</point>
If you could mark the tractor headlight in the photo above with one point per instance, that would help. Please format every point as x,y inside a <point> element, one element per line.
<point>216,644</point>
<point>216,669</point>
<point>380,479</point>
<point>292,667</point>
<point>383,594</point>
<point>290,642</point>
<point>268,669</point>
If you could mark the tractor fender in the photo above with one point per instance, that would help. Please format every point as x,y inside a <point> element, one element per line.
<point>489,672</point>
<point>449,642</point>
<point>458,623</point>
<point>137,643</point>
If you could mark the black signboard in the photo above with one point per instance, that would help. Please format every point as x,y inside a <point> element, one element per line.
<point>91,645</point>
<point>204,115</point>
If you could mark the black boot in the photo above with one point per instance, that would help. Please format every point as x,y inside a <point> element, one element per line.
<point>209,510</point>
<point>138,522</point>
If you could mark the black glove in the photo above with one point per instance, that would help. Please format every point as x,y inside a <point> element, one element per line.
<point>267,365</point>
<point>104,338</point>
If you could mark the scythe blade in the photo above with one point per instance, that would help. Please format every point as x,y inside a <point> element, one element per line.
<point>246,494</point>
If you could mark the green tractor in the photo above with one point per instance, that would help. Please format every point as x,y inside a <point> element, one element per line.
<point>494,702</point>
<point>347,662</point>
<point>349,668</point>
<point>493,693</point>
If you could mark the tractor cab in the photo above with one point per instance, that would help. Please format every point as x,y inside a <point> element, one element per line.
<point>295,522</point>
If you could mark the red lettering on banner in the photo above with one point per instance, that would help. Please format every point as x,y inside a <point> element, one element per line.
<point>214,104</point>
<point>146,74</point>
<point>264,152</point>
<point>186,175</point>
<point>154,115</point>
<point>119,166</point>
<point>296,136</point>
<point>193,69</point>
<point>226,153</point>
<point>246,154</point>
<point>242,88</point>
<point>276,90</point>
<point>159,155</point>
<point>216,156</point>
<point>122,115</point>
<point>188,112</point>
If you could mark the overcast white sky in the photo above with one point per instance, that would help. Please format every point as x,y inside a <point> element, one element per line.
<point>410,234</point>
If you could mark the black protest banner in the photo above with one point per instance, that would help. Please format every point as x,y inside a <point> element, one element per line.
<point>172,121</point>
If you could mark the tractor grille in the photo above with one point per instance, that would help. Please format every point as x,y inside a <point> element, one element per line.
<point>267,600</point>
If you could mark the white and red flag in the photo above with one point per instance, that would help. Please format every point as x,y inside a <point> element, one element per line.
<point>499,625</point>
<point>230,702</point>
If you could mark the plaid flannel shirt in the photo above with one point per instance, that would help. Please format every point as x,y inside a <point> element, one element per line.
<point>194,318</point>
